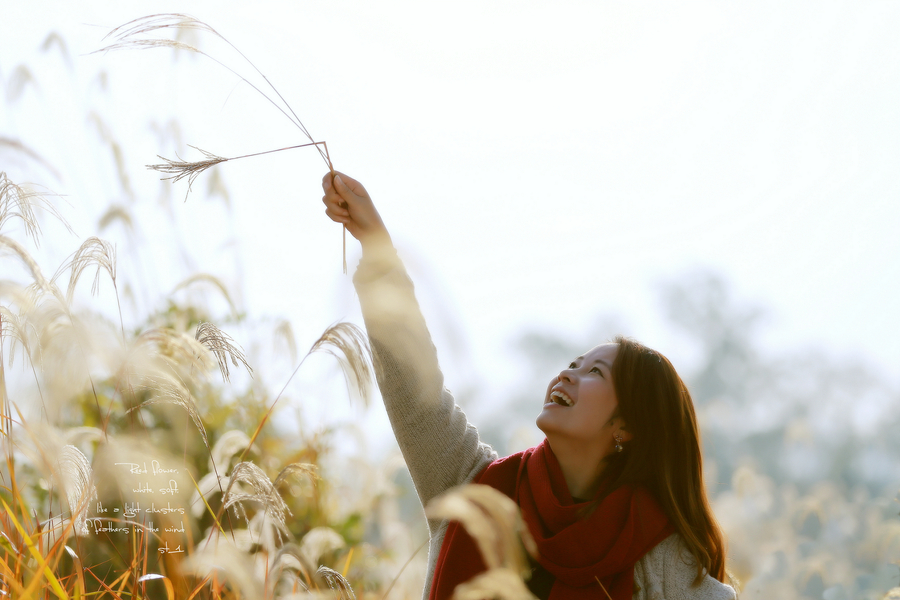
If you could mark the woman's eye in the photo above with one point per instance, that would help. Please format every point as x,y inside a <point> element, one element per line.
<point>597,371</point>
<point>571,365</point>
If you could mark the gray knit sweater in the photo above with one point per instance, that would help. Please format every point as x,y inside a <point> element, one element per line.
<point>441,448</point>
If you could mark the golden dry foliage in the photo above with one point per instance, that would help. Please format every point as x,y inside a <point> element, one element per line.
<point>495,523</point>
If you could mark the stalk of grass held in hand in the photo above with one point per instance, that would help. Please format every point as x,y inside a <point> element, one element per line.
<point>179,169</point>
<point>137,34</point>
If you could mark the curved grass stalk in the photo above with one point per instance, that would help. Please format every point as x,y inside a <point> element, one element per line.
<point>128,36</point>
<point>350,346</point>
<point>19,201</point>
<point>215,282</point>
<point>179,169</point>
<point>101,253</point>
<point>168,391</point>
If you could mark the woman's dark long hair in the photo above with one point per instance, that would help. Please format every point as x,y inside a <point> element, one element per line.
<point>664,452</point>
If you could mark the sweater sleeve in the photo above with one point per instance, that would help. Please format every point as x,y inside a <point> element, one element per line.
<point>440,447</point>
<point>668,571</point>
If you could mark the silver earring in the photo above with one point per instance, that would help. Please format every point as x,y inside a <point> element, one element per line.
<point>619,446</point>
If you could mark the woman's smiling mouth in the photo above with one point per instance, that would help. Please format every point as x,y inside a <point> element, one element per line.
<point>561,398</point>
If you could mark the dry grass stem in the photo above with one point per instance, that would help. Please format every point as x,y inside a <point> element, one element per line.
<point>116,213</point>
<point>297,470</point>
<point>337,583</point>
<point>168,391</point>
<point>209,484</point>
<point>494,522</point>
<point>101,253</point>
<point>289,557</point>
<point>162,351</point>
<point>262,491</point>
<point>350,346</point>
<point>179,169</point>
<point>77,480</point>
<point>212,280</point>
<point>500,584</point>
<point>20,330</point>
<point>603,587</point>
<point>18,201</point>
<point>226,561</point>
<point>129,36</point>
<point>21,148</point>
<point>222,346</point>
<point>285,331</point>
<point>93,251</point>
<point>36,274</point>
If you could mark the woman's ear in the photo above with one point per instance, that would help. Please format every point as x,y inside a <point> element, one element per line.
<point>623,433</point>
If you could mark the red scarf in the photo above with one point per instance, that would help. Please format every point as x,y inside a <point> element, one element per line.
<point>576,550</point>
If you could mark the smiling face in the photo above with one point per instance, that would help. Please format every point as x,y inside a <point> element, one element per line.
<point>580,404</point>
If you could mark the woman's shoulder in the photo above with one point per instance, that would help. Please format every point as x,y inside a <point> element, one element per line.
<point>668,572</point>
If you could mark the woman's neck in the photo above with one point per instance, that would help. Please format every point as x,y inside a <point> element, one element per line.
<point>581,469</point>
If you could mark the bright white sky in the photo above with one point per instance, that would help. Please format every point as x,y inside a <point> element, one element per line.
<point>537,163</point>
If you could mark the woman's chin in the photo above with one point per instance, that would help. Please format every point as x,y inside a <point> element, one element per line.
<point>545,420</point>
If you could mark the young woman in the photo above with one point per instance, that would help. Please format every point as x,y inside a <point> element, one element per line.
<point>614,496</point>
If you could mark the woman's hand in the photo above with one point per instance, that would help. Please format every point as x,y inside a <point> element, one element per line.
<point>347,202</point>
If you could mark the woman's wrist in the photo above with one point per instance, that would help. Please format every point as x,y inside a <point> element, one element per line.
<point>376,244</point>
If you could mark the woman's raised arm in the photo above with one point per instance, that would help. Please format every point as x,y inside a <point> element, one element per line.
<point>441,449</point>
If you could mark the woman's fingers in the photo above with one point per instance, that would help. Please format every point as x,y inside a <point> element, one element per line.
<point>334,205</point>
<point>347,201</point>
<point>339,215</point>
<point>345,184</point>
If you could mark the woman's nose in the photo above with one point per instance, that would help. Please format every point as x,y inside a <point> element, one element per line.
<point>565,375</point>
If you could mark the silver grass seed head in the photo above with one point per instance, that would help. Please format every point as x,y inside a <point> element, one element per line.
<point>318,542</point>
<point>179,169</point>
<point>165,390</point>
<point>289,556</point>
<point>227,562</point>
<point>350,346</point>
<point>43,285</point>
<point>268,532</point>
<point>163,350</point>
<point>337,583</point>
<point>263,492</point>
<point>501,584</point>
<point>296,470</point>
<point>156,22</point>
<point>77,480</point>
<point>494,522</point>
<point>222,346</point>
<point>19,202</point>
<point>93,252</point>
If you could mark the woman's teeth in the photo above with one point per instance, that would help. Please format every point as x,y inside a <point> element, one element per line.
<point>561,398</point>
